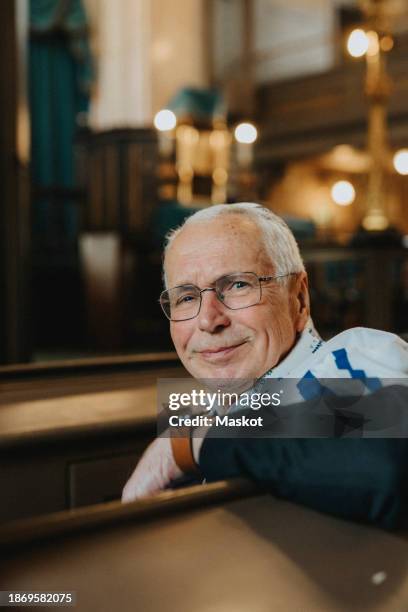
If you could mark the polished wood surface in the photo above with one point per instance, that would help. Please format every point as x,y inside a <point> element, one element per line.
<point>61,403</point>
<point>83,364</point>
<point>257,554</point>
<point>37,529</point>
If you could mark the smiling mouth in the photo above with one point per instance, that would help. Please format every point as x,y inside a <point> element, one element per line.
<point>221,352</point>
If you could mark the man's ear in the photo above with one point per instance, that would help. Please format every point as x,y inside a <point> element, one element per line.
<point>302,301</point>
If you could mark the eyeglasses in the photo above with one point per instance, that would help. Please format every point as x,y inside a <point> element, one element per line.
<point>236,291</point>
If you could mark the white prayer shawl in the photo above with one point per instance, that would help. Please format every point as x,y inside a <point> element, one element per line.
<point>372,352</point>
<point>372,358</point>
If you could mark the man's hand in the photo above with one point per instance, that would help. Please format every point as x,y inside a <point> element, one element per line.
<point>155,470</point>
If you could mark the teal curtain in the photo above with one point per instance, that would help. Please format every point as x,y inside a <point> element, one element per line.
<point>60,75</point>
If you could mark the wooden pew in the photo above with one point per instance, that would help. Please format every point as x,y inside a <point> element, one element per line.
<point>224,546</point>
<point>72,432</point>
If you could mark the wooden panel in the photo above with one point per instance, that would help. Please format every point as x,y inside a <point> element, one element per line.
<point>347,290</point>
<point>31,486</point>
<point>308,115</point>
<point>99,480</point>
<point>314,102</point>
<point>50,476</point>
<point>121,185</point>
<point>95,196</point>
<point>111,186</point>
<point>135,193</point>
<point>14,196</point>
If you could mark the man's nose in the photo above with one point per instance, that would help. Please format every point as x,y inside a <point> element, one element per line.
<point>213,314</point>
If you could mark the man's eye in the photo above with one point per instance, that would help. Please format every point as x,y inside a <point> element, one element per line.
<point>239,284</point>
<point>185,299</point>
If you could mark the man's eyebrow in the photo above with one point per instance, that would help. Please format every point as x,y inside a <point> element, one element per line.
<point>182,283</point>
<point>186,284</point>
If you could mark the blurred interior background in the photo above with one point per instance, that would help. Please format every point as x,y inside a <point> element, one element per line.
<point>121,118</point>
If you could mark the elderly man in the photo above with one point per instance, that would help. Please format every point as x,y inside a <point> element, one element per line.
<point>238,304</point>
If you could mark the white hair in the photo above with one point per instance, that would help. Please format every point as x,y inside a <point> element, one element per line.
<point>280,244</point>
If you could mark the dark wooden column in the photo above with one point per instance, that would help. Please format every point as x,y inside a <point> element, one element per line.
<point>14,197</point>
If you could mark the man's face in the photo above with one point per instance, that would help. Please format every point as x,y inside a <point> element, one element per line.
<point>224,343</point>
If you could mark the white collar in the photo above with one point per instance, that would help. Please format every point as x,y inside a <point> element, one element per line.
<point>307,345</point>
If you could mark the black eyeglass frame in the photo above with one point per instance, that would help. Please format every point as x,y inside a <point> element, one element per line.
<point>261,279</point>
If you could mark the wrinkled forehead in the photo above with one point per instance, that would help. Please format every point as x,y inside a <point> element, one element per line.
<point>204,251</point>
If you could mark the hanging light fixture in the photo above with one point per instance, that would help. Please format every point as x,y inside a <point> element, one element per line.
<point>343,193</point>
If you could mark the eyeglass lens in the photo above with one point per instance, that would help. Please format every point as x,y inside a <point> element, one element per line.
<point>239,290</point>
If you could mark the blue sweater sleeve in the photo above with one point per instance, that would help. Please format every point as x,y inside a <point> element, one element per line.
<point>354,478</point>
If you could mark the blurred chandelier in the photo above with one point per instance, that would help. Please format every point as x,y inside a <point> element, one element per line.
<point>380,16</point>
<point>206,156</point>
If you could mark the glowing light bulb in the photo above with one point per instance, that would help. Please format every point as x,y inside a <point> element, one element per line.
<point>373,43</point>
<point>165,120</point>
<point>357,43</point>
<point>343,193</point>
<point>386,43</point>
<point>246,133</point>
<point>400,161</point>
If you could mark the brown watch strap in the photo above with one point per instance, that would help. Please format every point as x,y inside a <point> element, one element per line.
<point>181,444</point>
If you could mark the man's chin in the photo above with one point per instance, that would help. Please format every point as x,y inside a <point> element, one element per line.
<point>227,385</point>
<point>223,377</point>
